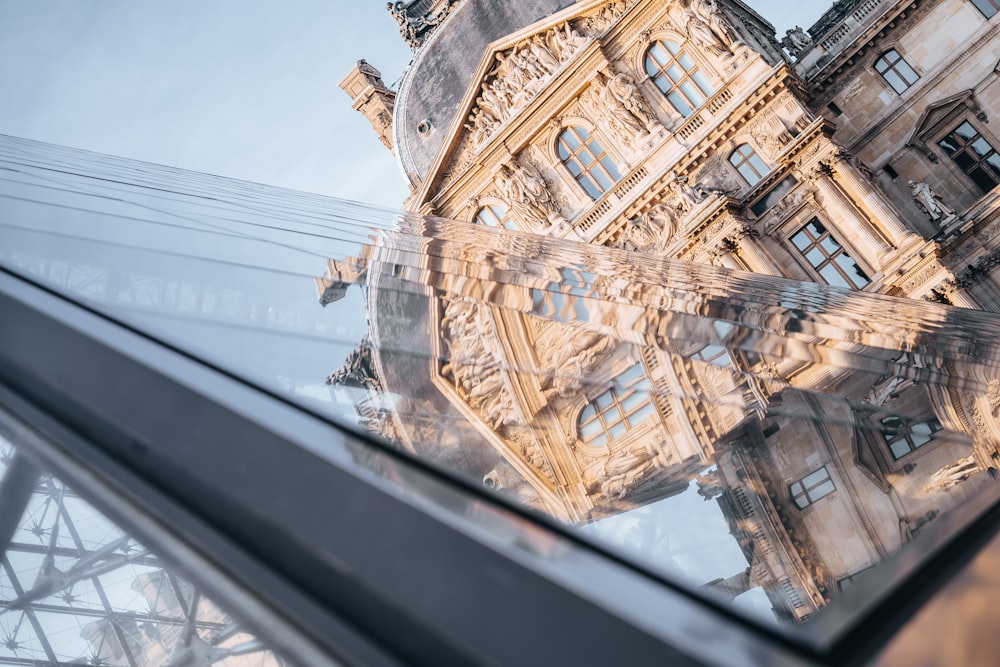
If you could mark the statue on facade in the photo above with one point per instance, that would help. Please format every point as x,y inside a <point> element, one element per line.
<point>796,41</point>
<point>624,102</point>
<point>687,196</point>
<point>951,475</point>
<point>929,201</point>
<point>708,27</point>
<point>527,194</point>
<point>651,230</point>
<point>624,471</point>
<point>565,42</point>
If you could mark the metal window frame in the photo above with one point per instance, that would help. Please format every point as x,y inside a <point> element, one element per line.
<point>441,587</point>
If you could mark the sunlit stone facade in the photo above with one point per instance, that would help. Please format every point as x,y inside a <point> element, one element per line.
<point>858,154</point>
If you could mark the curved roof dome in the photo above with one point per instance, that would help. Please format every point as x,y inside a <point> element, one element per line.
<point>442,70</point>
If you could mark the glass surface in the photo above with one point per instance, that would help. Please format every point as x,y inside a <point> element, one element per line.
<point>75,589</point>
<point>582,381</point>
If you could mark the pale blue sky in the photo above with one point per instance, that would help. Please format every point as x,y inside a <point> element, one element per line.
<point>240,88</point>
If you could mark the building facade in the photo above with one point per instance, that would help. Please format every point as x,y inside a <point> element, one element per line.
<point>857,154</point>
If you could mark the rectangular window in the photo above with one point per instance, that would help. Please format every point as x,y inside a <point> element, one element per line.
<point>811,488</point>
<point>903,438</point>
<point>987,7</point>
<point>825,254</point>
<point>976,156</point>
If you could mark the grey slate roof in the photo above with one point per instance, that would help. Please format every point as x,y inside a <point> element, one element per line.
<point>442,70</point>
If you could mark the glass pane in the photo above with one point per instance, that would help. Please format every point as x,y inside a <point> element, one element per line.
<point>569,138</point>
<point>680,103</point>
<point>77,589</point>
<point>895,81</point>
<point>833,276</point>
<point>703,83</point>
<point>452,341</point>
<point>822,490</point>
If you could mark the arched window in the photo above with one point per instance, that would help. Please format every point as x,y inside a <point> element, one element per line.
<point>749,164</point>
<point>587,161</point>
<point>896,71</point>
<point>677,76</point>
<point>494,215</point>
<point>618,410</point>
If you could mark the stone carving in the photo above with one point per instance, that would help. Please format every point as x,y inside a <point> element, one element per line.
<point>708,28</point>
<point>624,471</point>
<point>529,450</point>
<point>685,195</point>
<point>624,105</point>
<point>796,41</point>
<point>517,76</point>
<point>929,201</point>
<point>650,230</point>
<point>885,389</point>
<point>527,194</point>
<point>604,18</point>
<point>472,364</point>
<point>572,355</point>
<point>951,475</point>
<point>769,132</point>
<point>358,370</point>
<point>415,29</point>
<point>710,485</point>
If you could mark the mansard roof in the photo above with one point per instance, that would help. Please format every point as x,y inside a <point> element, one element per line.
<point>437,80</point>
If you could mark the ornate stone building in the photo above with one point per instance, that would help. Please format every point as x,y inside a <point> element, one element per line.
<point>858,154</point>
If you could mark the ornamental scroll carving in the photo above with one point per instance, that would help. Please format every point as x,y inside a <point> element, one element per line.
<point>517,76</point>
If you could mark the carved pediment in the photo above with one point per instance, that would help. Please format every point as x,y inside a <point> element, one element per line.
<point>934,115</point>
<point>512,74</point>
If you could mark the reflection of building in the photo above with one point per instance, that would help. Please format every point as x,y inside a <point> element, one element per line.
<point>858,154</point>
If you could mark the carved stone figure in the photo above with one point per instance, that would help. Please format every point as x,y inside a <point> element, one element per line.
<point>579,351</point>
<point>624,102</point>
<point>544,56</point>
<point>708,28</point>
<point>527,194</point>
<point>886,389</point>
<point>652,230</point>
<point>710,485</point>
<point>638,235</point>
<point>517,76</point>
<point>473,367</point>
<point>929,201</point>
<point>565,41</point>
<point>796,41</point>
<point>953,474</point>
<point>687,196</point>
<point>625,471</point>
<point>358,369</point>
